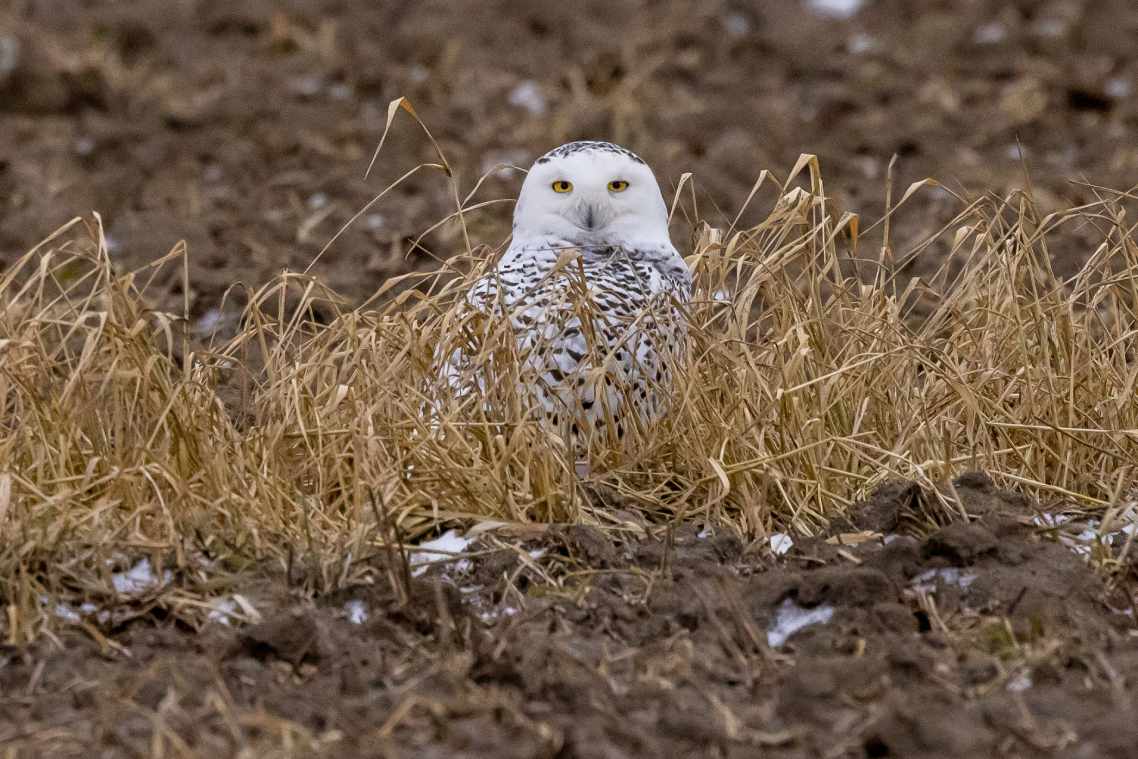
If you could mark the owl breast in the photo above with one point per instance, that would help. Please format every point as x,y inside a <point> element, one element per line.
<point>598,336</point>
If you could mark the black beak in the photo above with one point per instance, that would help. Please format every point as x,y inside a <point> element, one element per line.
<point>589,217</point>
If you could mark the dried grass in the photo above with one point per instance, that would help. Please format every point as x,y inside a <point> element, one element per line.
<point>815,373</point>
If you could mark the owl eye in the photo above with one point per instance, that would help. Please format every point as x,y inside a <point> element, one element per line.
<point>562,186</point>
<point>618,185</point>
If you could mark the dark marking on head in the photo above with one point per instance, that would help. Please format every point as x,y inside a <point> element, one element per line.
<point>581,146</point>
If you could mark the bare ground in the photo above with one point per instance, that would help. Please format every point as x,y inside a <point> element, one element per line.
<point>986,637</point>
<point>245,131</point>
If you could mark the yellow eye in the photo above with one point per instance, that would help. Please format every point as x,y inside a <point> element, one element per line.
<point>562,186</point>
<point>618,185</point>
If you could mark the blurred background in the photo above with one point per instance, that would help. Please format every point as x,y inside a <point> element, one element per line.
<point>245,128</point>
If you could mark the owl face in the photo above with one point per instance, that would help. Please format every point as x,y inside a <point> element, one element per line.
<point>591,193</point>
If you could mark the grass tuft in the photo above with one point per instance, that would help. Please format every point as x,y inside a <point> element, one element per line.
<point>815,372</point>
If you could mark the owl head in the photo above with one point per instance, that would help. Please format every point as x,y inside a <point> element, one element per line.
<point>591,193</point>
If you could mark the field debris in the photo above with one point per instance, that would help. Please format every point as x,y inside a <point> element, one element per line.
<point>790,618</point>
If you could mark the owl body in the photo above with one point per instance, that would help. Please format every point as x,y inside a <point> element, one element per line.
<point>595,312</point>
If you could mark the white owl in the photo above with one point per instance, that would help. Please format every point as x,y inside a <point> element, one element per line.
<point>593,292</point>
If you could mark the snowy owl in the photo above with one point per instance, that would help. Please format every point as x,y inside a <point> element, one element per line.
<point>592,292</point>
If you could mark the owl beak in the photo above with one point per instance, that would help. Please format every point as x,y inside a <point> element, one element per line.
<point>590,216</point>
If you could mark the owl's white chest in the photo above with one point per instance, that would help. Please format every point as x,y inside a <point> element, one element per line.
<point>598,332</point>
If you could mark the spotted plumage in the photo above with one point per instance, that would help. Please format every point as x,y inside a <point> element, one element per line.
<point>592,290</point>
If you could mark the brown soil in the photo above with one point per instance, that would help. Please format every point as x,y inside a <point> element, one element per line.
<point>245,129</point>
<point>984,638</point>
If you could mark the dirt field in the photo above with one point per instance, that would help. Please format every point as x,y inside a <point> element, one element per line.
<point>245,129</point>
<point>986,638</point>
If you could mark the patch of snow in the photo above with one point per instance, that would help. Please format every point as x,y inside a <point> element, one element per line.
<point>375,221</point>
<point>790,618</point>
<point>705,533</point>
<point>139,579</point>
<point>991,33</point>
<point>835,8</point>
<point>68,613</point>
<point>341,91</point>
<point>861,43</point>
<point>528,95</point>
<point>1050,27</point>
<point>9,56</point>
<point>1047,519</point>
<point>891,537</point>
<point>537,553</point>
<point>926,581</point>
<point>307,86</point>
<point>1119,87</point>
<point>780,543</point>
<point>494,614</point>
<point>449,544</point>
<point>721,296</point>
<point>737,24</point>
<point>317,200</point>
<point>208,321</point>
<point>84,146</point>
<point>1020,682</point>
<point>356,611</point>
<point>222,609</point>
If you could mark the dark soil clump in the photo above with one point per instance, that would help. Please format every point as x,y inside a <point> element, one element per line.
<point>983,638</point>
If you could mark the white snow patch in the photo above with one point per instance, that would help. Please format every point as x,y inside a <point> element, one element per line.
<point>780,543</point>
<point>861,43</point>
<point>1020,682</point>
<point>790,618</point>
<point>528,95</point>
<point>208,321</point>
<point>1119,87</point>
<point>835,8</point>
<point>737,24</point>
<point>537,553</point>
<point>1047,519</point>
<point>356,611</point>
<point>317,200</point>
<point>926,581</point>
<point>341,91</point>
<point>891,537</point>
<point>223,609</point>
<point>705,533</point>
<point>449,544</point>
<point>1050,27</point>
<point>139,579</point>
<point>495,614</point>
<point>991,33</point>
<point>69,613</point>
<point>721,296</point>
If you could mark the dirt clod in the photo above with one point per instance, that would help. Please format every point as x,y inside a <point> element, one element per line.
<point>946,649</point>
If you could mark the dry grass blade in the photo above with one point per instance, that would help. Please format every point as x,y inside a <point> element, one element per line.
<point>804,387</point>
